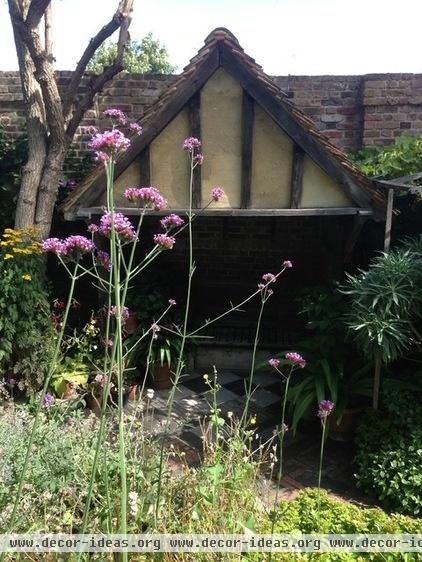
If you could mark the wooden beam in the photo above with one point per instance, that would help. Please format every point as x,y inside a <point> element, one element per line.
<point>145,165</point>
<point>388,221</point>
<point>248,112</point>
<point>297,177</point>
<point>328,211</point>
<point>194,107</point>
<point>283,117</point>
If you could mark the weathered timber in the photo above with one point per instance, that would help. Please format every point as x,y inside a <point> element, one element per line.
<point>247,142</point>
<point>194,107</point>
<point>297,177</point>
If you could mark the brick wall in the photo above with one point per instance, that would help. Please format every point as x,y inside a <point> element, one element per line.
<point>352,110</point>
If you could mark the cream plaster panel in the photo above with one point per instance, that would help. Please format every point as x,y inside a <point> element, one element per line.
<point>170,164</point>
<point>221,128</point>
<point>271,164</point>
<point>319,190</point>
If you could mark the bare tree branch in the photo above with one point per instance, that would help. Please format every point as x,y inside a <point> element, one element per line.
<point>108,73</point>
<point>36,11</point>
<point>48,35</point>
<point>46,78</point>
<point>122,15</point>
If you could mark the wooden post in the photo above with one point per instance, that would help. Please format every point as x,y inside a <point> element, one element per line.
<point>144,162</point>
<point>195,131</point>
<point>388,221</point>
<point>247,141</point>
<point>376,387</point>
<point>297,177</point>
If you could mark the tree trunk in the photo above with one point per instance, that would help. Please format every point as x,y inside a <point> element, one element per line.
<point>36,133</point>
<point>48,187</point>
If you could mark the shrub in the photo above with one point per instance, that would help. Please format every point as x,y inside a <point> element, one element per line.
<point>389,452</point>
<point>25,326</point>
<point>301,516</point>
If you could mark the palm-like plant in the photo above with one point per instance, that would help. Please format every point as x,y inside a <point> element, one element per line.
<point>384,302</point>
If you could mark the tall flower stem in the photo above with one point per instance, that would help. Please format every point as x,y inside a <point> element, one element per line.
<point>280,453</point>
<point>180,360</point>
<point>244,418</point>
<point>321,456</point>
<point>47,380</point>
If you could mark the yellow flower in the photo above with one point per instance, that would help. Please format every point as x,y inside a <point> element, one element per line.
<point>205,377</point>
<point>26,277</point>
<point>8,257</point>
<point>253,420</point>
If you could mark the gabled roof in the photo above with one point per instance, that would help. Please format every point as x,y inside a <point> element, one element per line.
<point>222,49</point>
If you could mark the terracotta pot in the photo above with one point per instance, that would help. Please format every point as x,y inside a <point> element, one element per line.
<point>345,430</point>
<point>131,323</point>
<point>132,392</point>
<point>162,376</point>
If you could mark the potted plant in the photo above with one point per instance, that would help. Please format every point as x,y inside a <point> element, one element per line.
<point>348,391</point>
<point>156,355</point>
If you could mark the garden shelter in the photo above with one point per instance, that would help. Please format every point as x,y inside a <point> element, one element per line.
<point>289,192</point>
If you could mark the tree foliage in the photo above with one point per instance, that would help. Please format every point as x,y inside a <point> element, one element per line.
<point>147,55</point>
<point>399,159</point>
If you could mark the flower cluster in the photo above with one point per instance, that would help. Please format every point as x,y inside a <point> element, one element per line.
<point>217,193</point>
<point>109,143</point>
<point>71,247</point>
<point>101,379</point>
<point>23,242</point>
<point>325,408</point>
<point>166,242</point>
<point>172,221</point>
<point>122,226</point>
<point>47,400</point>
<point>67,184</point>
<point>147,197</point>
<point>296,359</point>
<point>125,313</point>
<point>103,259</point>
<point>191,143</point>
<point>116,114</point>
<point>269,278</point>
<point>287,264</point>
<point>273,362</point>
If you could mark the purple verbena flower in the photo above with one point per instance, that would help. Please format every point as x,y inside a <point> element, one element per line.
<point>103,259</point>
<point>166,242</point>
<point>147,197</point>
<point>273,362</point>
<point>101,379</point>
<point>199,158</point>
<point>125,313</point>
<point>109,142</point>
<point>269,278</point>
<point>325,408</point>
<point>191,143</point>
<point>11,382</point>
<point>217,193</point>
<point>53,245</point>
<point>114,113</point>
<point>171,221</point>
<point>93,228</point>
<point>135,128</point>
<point>122,226</point>
<point>76,245</point>
<point>287,264</point>
<point>47,400</point>
<point>172,302</point>
<point>296,358</point>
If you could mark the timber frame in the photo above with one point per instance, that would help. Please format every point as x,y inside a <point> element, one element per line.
<point>222,49</point>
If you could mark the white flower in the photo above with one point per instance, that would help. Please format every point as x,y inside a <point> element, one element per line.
<point>150,393</point>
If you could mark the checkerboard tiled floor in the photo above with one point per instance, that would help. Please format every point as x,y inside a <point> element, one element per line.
<point>301,452</point>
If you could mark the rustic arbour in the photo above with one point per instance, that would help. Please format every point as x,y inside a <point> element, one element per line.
<point>290,192</point>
